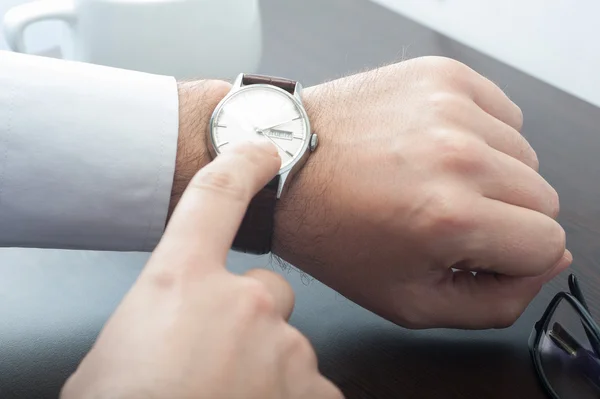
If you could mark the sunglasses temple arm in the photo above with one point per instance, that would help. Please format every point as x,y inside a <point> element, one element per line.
<point>575,289</point>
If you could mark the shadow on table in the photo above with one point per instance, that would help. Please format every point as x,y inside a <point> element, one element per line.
<point>408,367</point>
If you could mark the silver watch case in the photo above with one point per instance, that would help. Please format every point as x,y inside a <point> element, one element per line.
<point>288,172</point>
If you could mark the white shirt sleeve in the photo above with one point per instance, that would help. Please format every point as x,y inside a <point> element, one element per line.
<point>87,154</point>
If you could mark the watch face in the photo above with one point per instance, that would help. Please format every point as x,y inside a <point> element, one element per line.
<point>261,112</point>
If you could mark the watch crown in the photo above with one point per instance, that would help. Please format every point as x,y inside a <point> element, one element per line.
<point>314,142</point>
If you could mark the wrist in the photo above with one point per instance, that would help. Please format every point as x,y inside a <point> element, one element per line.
<point>197,101</point>
<point>302,196</point>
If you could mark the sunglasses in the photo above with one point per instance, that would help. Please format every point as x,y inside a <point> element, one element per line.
<point>565,347</point>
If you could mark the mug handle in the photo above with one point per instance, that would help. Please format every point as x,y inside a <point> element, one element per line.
<point>18,18</point>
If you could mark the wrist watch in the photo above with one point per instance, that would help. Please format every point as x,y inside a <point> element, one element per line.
<point>263,108</point>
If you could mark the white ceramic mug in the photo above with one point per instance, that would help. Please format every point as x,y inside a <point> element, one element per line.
<point>181,38</point>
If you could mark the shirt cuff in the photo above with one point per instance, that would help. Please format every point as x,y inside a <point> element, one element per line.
<point>87,154</point>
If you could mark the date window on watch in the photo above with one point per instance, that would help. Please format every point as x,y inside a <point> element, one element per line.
<point>280,134</point>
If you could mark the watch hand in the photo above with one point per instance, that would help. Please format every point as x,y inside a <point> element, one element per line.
<point>274,142</point>
<point>277,125</point>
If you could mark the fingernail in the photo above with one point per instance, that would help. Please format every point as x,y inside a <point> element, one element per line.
<point>561,265</point>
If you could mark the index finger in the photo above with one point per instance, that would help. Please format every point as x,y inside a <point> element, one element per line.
<point>213,205</point>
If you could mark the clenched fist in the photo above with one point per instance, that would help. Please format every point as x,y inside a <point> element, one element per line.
<point>421,178</point>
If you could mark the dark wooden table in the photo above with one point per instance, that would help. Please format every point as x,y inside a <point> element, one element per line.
<point>52,304</point>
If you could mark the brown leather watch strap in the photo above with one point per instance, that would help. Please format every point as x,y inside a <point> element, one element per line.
<point>285,84</point>
<point>256,231</point>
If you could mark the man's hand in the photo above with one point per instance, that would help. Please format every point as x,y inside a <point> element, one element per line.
<point>190,329</point>
<point>421,169</point>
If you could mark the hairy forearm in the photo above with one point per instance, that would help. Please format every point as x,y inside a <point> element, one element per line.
<point>197,100</point>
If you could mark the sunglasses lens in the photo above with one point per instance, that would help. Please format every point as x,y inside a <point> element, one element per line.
<point>568,354</point>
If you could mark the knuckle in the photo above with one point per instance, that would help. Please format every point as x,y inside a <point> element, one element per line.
<point>451,70</point>
<point>458,153</point>
<point>441,214</point>
<point>446,63</point>
<point>444,103</point>
<point>256,299</point>
<point>299,347</point>
<point>221,182</point>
